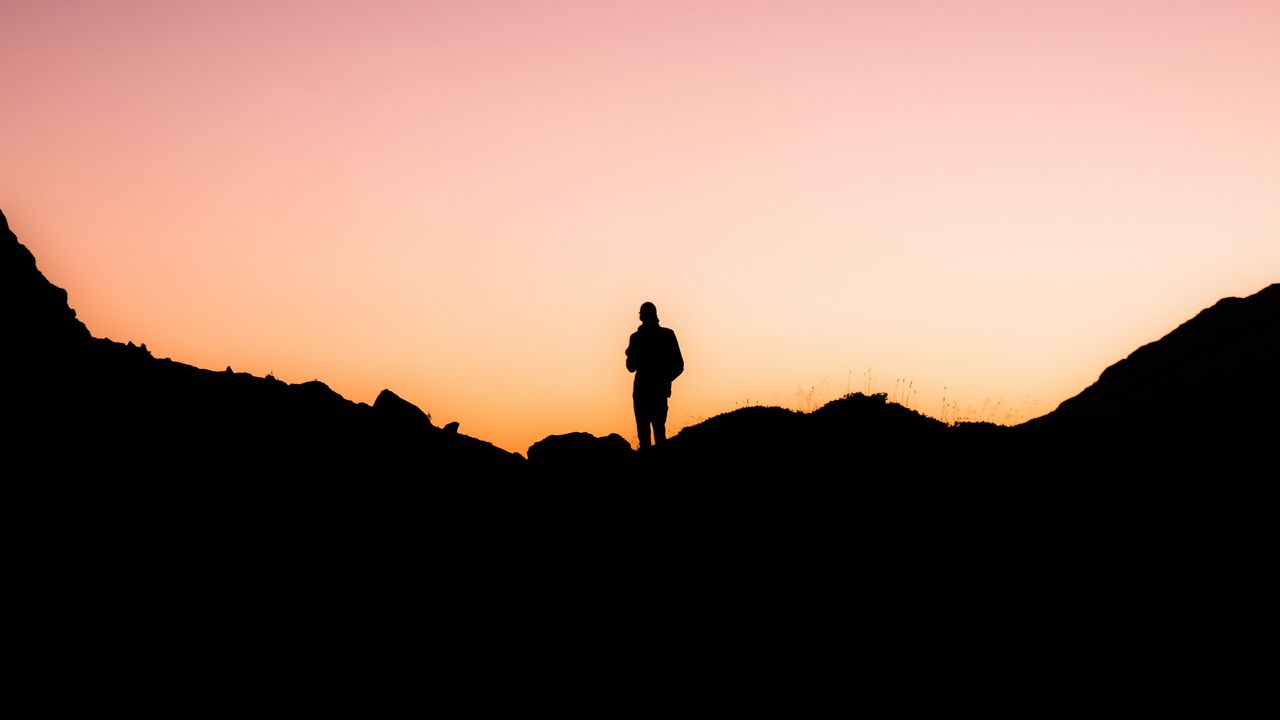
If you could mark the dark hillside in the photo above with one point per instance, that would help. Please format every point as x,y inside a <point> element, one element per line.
<point>213,531</point>
<point>1212,380</point>
<point>121,426</point>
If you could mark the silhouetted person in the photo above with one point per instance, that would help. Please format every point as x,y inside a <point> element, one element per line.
<point>654,356</point>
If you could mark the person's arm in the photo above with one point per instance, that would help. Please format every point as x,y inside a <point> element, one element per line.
<point>631,360</point>
<point>677,360</point>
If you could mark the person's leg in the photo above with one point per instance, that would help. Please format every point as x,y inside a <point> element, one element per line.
<point>660,421</point>
<point>642,421</point>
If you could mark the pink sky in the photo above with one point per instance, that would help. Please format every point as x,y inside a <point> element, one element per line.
<point>467,202</point>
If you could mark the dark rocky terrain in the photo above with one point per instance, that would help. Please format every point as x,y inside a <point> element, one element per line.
<point>214,533</point>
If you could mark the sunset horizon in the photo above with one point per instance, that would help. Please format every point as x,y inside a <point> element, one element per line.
<point>974,209</point>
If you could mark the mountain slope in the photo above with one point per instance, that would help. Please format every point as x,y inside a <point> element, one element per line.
<point>108,420</point>
<point>34,311</point>
<point>193,514</point>
<point>1214,378</point>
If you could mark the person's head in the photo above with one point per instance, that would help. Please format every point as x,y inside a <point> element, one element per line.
<point>648,313</point>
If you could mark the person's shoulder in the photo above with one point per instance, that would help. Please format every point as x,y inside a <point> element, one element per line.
<point>669,332</point>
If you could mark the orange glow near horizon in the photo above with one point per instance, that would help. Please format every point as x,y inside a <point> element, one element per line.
<point>467,202</point>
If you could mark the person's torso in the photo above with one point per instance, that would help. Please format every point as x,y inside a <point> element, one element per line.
<point>652,350</point>
<point>653,355</point>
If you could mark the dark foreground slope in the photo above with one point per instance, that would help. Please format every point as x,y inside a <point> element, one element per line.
<point>1211,381</point>
<point>105,423</point>
<point>220,533</point>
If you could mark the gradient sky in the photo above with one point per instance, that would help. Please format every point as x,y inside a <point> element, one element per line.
<point>466,202</point>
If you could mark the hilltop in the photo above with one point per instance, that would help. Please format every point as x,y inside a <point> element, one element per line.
<point>861,544</point>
